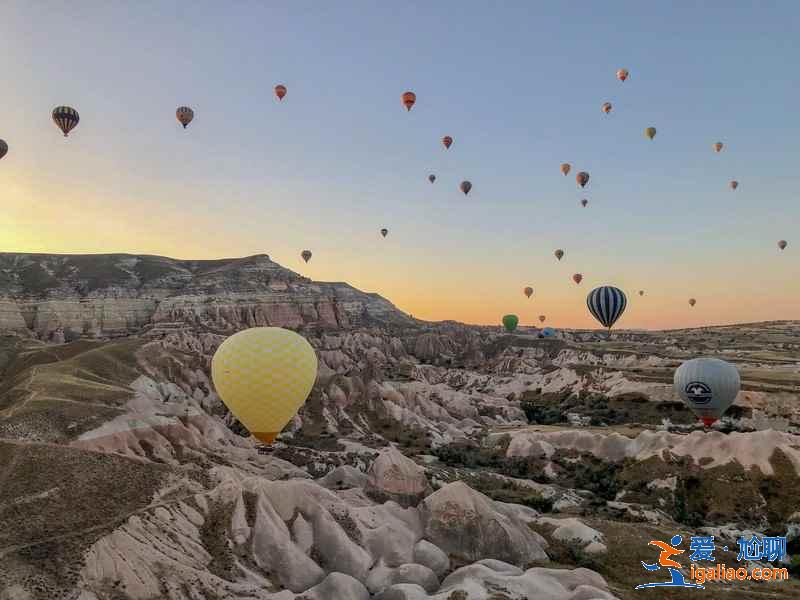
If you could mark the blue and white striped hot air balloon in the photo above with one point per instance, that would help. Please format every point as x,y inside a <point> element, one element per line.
<point>606,304</point>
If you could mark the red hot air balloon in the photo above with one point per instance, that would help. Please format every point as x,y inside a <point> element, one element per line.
<point>577,278</point>
<point>582,178</point>
<point>528,291</point>
<point>584,202</point>
<point>408,99</point>
<point>733,184</point>
<point>447,141</point>
<point>280,91</point>
<point>622,74</point>
<point>465,187</point>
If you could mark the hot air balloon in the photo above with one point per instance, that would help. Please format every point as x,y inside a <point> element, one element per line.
<point>528,291</point>
<point>510,322</point>
<point>447,141</point>
<point>565,167</point>
<point>622,74</point>
<point>66,118</point>
<point>280,91</point>
<point>264,375</point>
<point>542,318</point>
<point>408,99</point>
<point>577,278</point>
<point>3,148</point>
<point>650,132</point>
<point>718,147</point>
<point>584,202</point>
<point>465,187</point>
<point>582,178</point>
<point>692,301</point>
<point>781,243</point>
<point>384,231</point>
<point>184,114</point>
<point>708,386</point>
<point>641,292</point>
<point>559,254</point>
<point>431,177</point>
<point>306,255</point>
<point>733,184</point>
<point>607,107</point>
<point>606,303</point>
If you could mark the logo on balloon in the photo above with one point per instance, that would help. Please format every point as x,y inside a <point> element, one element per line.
<point>698,392</point>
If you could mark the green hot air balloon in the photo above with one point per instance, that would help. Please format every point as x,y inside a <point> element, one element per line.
<point>510,322</point>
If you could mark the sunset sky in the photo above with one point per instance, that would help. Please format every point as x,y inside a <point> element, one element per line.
<point>519,88</point>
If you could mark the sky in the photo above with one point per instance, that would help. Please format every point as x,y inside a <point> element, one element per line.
<point>518,85</point>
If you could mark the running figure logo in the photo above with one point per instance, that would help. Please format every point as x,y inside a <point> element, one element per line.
<point>665,561</point>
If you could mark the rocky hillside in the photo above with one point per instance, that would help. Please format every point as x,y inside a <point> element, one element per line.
<point>432,460</point>
<point>62,297</point>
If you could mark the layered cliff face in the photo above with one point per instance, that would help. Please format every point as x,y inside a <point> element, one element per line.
<point>62,297</point>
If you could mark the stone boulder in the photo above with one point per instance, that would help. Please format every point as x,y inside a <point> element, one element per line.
<point>394,476</point>
<point>470,526</point>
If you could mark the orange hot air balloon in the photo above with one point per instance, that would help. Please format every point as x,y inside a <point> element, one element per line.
<point>733,184</point>
<point>607,107</point>
<point>559,254</point>
<point>584,202</point>
<point>542,318</point>
<point>306,255</point>
<point>565,167</point>
<point>782,244</point>
<point>447,141</point>
<point>465,187</point>
<point>431,177</point>
<point>718,147</point>
<point>622,74</point>
<point>409,98</point>
<point>528,291</point>
<point>577,278</point>
<point>280,91</point>
<point>692,301</point>
<point>582,178</point>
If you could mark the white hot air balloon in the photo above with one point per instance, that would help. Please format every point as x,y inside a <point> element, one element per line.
<point>708,386</point>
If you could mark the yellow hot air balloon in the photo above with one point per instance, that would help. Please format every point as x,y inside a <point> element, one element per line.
<point>264,375</point>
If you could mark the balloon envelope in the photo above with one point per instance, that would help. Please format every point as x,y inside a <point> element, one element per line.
<point>3,148</point>
<point>447,141</point>
<point>582,178</point>
<point>264,375</point>
<point>781,244</point>
<point>306,255</point>
<point>708,386</point>
<point>584,202</point>
<point>607,107</point>
<point>465,187</point>
<point>650,132</point>
<point>577,278</point>
<point>510,322</point>
<point>384,231</point>
<point>718,147</point>
<point>280,91</point>
<point>622,74</point>
<point>184,114</point>
<point>408,99</point>
<point>542,318</point>
<point>733,184</point>
<point>692,301</point>
<point>431,177</point>
<point>66,118</point>
<point>565,167</point>
<point>606,303</point>
<point>559,254</point>
<point>528,291</point>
